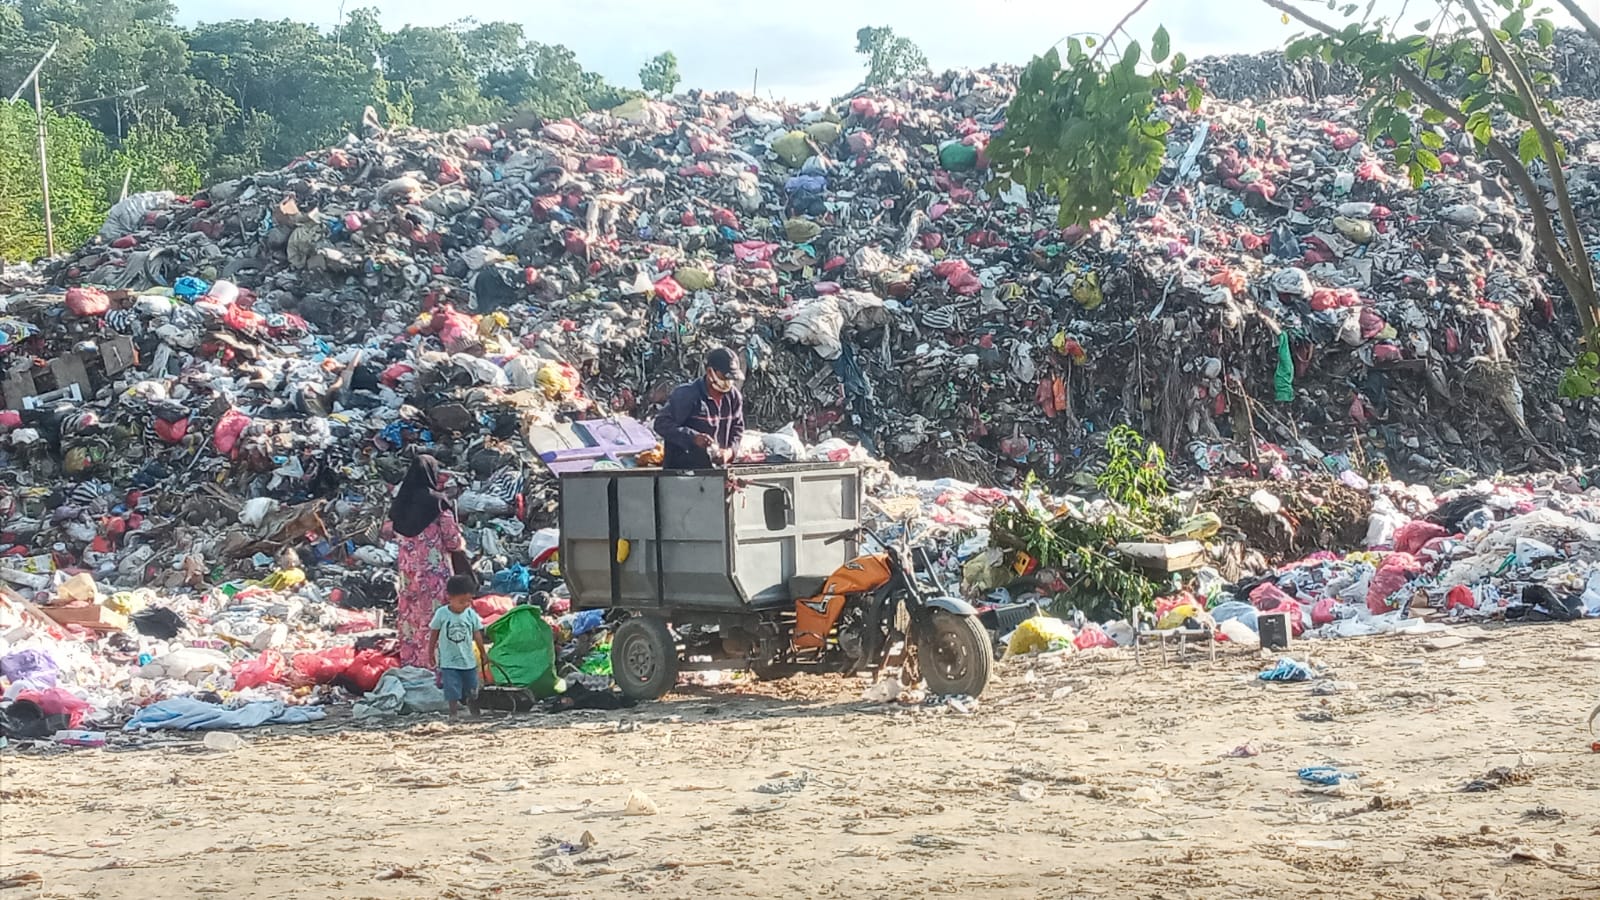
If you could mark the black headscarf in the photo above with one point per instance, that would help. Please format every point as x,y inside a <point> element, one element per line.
<point>418,502</point>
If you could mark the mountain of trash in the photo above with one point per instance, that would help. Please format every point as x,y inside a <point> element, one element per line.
<point>225,386</point>
<point>1574,61</point>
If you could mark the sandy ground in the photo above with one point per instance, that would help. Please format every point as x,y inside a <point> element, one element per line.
<point>1088,776</point>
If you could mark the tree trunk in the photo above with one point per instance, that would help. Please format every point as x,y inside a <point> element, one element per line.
<point>1570,261</point>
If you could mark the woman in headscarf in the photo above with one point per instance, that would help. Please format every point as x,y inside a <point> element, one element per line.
<point>424,520</point>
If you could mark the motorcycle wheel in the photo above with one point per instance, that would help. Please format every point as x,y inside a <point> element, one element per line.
<point>644,658</point>
<point>955,655</point>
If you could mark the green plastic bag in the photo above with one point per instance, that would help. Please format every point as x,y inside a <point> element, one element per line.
<point>1283,381</point>
<point>522,652</point>
<point>793,148</point>
<point>958,157</point>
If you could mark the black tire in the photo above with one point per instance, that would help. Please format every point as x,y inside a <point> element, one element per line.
<point>955,654</point>
<point>644,658</point>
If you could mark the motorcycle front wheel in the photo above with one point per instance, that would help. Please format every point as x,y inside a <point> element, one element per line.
<point>954,654</point>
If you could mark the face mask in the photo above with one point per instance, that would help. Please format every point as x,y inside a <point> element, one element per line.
<point>718,381</point>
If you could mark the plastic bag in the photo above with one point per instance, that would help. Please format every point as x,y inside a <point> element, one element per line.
<point>1091,636</point>
<point>367,669</point>
<point>1396,572</point>
<point>324,667</point>
<point>1039,634</point>
<point>87,302</point>
<point>268,668</point>
<point>59,702</point>
<point>229,428</point>
<point>1413,536</point>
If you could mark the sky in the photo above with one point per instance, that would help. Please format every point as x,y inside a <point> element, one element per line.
<point>806,50</point>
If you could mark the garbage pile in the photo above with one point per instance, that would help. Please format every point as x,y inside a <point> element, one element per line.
<point>212,400</point>
<point>1509,550</point>
<point>1271,76</point>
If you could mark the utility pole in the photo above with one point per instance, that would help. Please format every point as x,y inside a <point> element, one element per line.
<point>44,172</point>
<point>755,80</point>
<point>44,165</point>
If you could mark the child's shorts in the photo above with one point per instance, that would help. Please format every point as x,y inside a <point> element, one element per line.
<point>459,684</point>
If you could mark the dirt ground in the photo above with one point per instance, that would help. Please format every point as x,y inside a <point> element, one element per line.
<point>1081,776</point>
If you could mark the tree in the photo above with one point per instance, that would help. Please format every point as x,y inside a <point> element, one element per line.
<point>1082,134</point>
<point>660,76</point>
<point>77,155</point>
<point>890,57</point>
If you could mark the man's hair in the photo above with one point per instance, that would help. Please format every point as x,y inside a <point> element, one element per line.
<point>461,584</point>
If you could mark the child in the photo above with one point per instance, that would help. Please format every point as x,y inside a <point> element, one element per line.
<point>456,632</point>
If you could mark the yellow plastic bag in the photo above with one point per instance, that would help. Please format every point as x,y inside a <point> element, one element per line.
<point>1087,291</point>
<point>1039,634</point>
<point>1178,615</point>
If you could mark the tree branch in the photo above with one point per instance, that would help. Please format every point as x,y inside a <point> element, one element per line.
<point>1584,19</point>
<point>1116,28</point>
<point>1543,228</point>
<point>1547,142</point>
<point>1582,291</point>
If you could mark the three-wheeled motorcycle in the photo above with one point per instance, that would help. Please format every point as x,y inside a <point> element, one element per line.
<point>761,567</point>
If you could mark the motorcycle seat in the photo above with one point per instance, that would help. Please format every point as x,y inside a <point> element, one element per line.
<point>802,586</point>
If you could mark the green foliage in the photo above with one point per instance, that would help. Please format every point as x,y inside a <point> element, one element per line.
<point>660,75</point>
<point>78,174</point>
<point>1135,473</point>
<point>1084,131</point>
<point>890,57</point>
<point>1102,583</point>
<point>1582,380</point>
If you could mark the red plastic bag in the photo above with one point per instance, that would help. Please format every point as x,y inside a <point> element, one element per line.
<point>59,702</point>
<point>1092,635</point>
<point>1396,572</point>
<point>491,607</point>
<point>87,302</point>
<point>669,290</point>
<point>368,667</point>
<point>172,432</point>
<point>268,668</point>
<point>1460,596</point>
<point>324,667</point>
<point>1413,536</point>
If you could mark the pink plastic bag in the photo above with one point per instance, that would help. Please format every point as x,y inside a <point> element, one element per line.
<point>268,668</point>
<point>1092,635</point>
<point>59,702</point>
<point>229,428</point>
<point>491,607</point>
<point>1413,536</point>
<point>87,302</point>
<point>1322,612</point>
<point>669,290</point>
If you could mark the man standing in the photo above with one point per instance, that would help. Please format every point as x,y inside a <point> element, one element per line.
<point>703,420</point>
